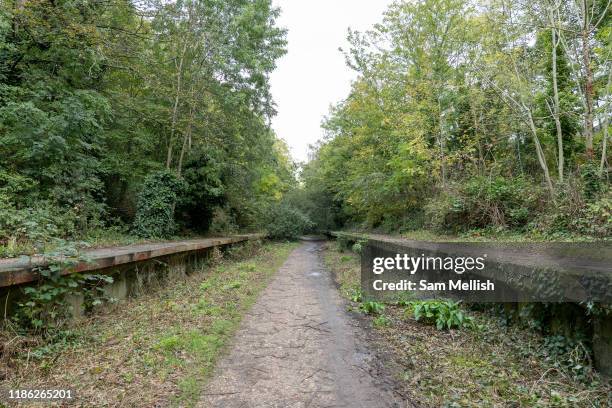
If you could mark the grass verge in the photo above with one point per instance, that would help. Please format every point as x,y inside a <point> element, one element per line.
<point>491,365</point>
<point>155,350</point>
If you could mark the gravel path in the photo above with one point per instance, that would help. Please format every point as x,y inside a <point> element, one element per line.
<point>298,347</point>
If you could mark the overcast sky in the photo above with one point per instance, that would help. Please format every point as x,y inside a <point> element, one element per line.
<point>313,75</point>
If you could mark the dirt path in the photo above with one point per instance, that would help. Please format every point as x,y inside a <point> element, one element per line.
<point>298,347</point>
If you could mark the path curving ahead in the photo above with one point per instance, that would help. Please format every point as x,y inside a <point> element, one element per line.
<point>298,347</point>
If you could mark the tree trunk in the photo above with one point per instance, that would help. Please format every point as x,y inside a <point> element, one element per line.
<point>186,141</point>
<point>540,154</point>
<point>556,107</point>
<point>605,124</point>
<point>604,143</point>
<point>179,80</point>
<point>442,146</point>
<point>19,5</point>
<point>588,83</point>
<point>476,120</point>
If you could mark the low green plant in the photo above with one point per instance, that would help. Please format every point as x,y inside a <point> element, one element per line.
<point>403,299</point>
<point>355,294</point>
<point>372,307</point>
<point>445,314</point>
<point>232,285</point>
<point>358,246</point>
<point>44,308</point>
<point>381,321</point>
<point>568,354</point>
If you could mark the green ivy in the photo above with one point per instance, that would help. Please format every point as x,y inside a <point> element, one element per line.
<point>44,308</point>
<point>592,183</point>
<point>156,204</point>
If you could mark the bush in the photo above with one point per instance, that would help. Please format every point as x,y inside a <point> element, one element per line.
<point>156,205</point>
<point>204,192</point>
<point>592,183</point>
<point>37,224</point>
<point>222,222</point>
<point>343,243</point>
<point>562,213</point>
<point>483,202</point>
<point>285,222</point>
<point>43,308</point>
<point>572,212</point>
<point>443,212</point>
<point>596,219</point>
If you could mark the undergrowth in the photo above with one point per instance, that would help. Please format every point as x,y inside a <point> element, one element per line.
<point>157,349</point>
<point>446,354</point>
<point>44,308</point>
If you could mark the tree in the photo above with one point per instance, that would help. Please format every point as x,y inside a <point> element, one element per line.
<point>456,106</point>
<point>97,96</point>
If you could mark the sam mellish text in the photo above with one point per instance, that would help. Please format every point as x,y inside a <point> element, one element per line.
<point>453,284</point>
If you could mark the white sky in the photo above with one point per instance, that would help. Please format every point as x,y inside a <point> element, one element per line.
<point>313,75</point>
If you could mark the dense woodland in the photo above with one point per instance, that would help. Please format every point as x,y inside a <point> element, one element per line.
<point>148,117</point>
<point>489,115</point>
<point>152,118</point>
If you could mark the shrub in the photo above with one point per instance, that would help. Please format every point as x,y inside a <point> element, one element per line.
<point>285,222</point>
<point>204,192</point>
<point>222,222</point>
<point>484,202</point>
<point>358,246</point>
<point>156,205</point>
<point>443,212</point>
<point>38,223</point>
<point>561,213</point>
<point>572,213</point>
<point>596,217</point>
<point>592,183</point>
<point>343,243</point>
<point>43,307</point>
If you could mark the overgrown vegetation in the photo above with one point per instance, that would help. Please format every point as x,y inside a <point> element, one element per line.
<point>285,222</point>
<point>471,116</point>
<point>476,360</point>
<point>44,308</point>
<point>156,204</point>
<point>105,107</point>
<point>156,349</point>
